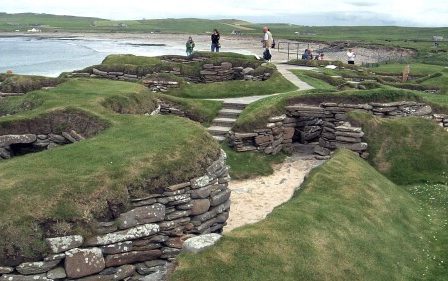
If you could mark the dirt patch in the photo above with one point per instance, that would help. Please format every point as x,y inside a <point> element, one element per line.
<point>254,199</point>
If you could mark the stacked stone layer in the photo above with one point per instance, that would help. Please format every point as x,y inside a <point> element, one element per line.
<point>36,142</point>
<point>142,242</point>
<point>326,125</point>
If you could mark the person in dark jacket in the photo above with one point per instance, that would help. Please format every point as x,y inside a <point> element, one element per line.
<point>215,41</point>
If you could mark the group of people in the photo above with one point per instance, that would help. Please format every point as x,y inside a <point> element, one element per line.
<point>308,55</point>
<point>268,43</point>
<point>214,47</point>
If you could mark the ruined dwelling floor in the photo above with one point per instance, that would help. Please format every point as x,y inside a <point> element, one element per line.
<point>254,199</point>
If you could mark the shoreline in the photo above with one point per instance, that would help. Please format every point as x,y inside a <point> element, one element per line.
<point>247,45</point>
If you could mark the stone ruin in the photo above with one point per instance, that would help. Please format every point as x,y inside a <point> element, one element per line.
<point>141,243</point>
<point>16,145</point>
<point>47,131</point>
<point>326,126</point>
<point>209,73</point>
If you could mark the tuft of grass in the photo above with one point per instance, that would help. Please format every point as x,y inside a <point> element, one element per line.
<point>348,222</point>
<point>251,164</point>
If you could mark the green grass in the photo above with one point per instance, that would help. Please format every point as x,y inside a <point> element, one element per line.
<point>347,223</point>
<point>251,164</point>
<point>407,150</point>
<point>230,89</point>
<point>415,68</point>
<point>203,111</point>
<point>68,186</point>
<point>316,83</point>
<point>131,59</point>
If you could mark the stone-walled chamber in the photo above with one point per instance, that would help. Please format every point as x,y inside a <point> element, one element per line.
<point>326,124</point>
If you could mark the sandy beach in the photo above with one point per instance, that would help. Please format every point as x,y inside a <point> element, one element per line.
<point>232,43</point>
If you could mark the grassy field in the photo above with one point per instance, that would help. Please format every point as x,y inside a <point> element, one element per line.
<point>348,222</point>
<point>387,34</point>
<point>72,184</point>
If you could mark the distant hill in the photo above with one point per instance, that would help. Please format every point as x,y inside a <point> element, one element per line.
<point>55,23</point>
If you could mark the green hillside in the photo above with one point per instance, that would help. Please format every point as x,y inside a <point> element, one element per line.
<point>349,222</point>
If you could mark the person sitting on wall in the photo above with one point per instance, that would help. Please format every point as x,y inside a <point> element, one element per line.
<point>310,55</point>
<point>305,54</point>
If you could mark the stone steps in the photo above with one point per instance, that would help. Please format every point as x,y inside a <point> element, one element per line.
<point>219,131</point>
<point>219,138</point>
<point>229,113</point>
<point>233,105</point>
<point>222,121</point>
<point>225,120</point>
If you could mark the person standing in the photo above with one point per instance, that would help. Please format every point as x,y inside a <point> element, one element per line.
<point>215,41</point>
<point>268,41</point>
<point>190,46</point>
<point>351,55</point>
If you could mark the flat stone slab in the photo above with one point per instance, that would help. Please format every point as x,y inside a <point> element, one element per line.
<point>120,236</point>
<point>62,244</point>
<point>200,243</point>
<point>12,139</point>
<point>84,262</point>
<point>29,268</point>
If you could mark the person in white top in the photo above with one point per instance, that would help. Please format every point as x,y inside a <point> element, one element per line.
<point>267,42</point>
<point>351,55</point>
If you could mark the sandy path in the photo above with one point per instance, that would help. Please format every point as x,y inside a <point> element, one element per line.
<point>254,199</point>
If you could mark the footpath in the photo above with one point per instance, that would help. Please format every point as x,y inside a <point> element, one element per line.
<point>232,107</point>
<point>253,199</point>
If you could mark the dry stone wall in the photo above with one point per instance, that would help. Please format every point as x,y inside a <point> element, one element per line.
<point>209,73</point>
<point>142,242</point>
<point>326,125</point>
<point>14,145</point>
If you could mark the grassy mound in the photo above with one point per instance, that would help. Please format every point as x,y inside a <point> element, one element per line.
<point>60,191</point>
<point>406,150</point>
<point>230,89</point>
<point>142,66</point>
<point>24,84</point>
<point>348,223</point>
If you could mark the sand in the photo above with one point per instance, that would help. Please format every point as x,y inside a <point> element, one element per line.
<point>254,199</point>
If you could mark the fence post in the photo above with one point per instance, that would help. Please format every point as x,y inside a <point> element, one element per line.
<point>298,48</point>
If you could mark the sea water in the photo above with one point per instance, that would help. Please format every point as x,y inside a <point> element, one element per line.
<point>52,56</point>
